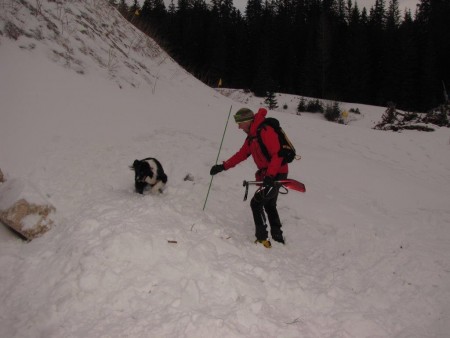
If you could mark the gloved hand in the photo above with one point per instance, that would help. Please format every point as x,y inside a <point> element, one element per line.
<point>268,187</point>
<point>268,182</point>
<point>216,169</point>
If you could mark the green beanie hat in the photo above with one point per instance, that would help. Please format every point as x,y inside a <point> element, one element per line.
<point>243,115</point>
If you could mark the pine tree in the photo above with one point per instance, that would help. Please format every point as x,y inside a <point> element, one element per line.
<point>408,99</point>
<point>391,55</point>
<point>378,14</point>
<point>301,105</point>
<point>271,100</point>
<point>172,8</point>
<point>253,11</point>
<point>376,40</point>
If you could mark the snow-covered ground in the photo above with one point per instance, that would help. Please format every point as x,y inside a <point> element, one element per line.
<point>83,94</point>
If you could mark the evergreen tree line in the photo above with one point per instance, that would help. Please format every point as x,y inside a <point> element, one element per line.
<point>329,49</point>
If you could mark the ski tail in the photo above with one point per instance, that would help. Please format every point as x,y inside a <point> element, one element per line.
<point>293,185</point>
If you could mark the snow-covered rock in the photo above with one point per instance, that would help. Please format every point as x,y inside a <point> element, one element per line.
<point>24,209</point>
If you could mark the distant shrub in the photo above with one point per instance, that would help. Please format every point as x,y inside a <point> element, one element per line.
<point>439,116</point>
<point>333,112</point>
<point>396,120</point>
<point>314,106</point>
<point>301,106</point>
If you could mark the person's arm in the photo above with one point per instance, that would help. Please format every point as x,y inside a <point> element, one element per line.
<point>234,160</point>
<point>237,158</point>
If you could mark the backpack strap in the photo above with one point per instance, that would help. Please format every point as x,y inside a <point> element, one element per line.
<point>263,147</point>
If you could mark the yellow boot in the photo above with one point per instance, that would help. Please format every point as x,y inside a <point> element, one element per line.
<point>264,242</point>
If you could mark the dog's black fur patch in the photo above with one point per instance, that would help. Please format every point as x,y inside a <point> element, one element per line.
<point>148,170</point>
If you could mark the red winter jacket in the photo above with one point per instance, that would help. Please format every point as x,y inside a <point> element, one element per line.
<point>251,147</point>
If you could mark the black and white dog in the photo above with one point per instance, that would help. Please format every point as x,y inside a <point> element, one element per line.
<point>149,172</point>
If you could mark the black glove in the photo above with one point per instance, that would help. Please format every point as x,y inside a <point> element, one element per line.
<point>216,169</point>
<point>268,187</point>
<point>268,182</point>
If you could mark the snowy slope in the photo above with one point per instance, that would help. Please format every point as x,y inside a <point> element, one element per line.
<point>83,94</point>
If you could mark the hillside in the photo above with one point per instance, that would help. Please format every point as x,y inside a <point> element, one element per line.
<point>83,94</point>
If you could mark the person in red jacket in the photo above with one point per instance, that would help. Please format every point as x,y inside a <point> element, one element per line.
<point>269,171</point>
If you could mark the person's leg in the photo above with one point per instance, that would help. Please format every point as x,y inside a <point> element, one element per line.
<point>274,220</point>
<point>273,216</point>
<point>257,205</point>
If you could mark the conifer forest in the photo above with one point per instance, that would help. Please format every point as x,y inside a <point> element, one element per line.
<point>328,49</point>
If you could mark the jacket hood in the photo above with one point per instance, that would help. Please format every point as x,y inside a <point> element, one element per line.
<point>258,119</point>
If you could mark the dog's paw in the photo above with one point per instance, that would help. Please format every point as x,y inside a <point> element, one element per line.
<point>156,191</point>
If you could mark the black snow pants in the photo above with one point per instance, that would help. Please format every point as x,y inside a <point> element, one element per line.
<point>268,204</point>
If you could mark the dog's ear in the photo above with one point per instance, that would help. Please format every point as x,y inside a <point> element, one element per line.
<point>135,165</point>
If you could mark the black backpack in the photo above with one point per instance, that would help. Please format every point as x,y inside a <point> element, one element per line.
<point>287,150</point>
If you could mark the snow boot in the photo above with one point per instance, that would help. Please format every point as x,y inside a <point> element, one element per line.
<point>264,242</point>
<point>278,238</point>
